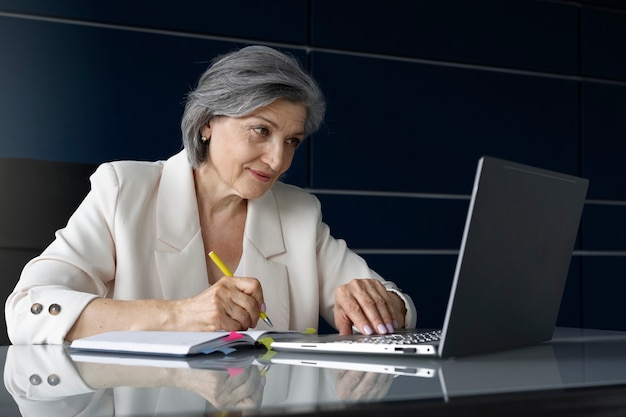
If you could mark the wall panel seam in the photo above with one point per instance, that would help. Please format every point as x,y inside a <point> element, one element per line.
<point>455,252</point>
<point>308,49</point>
<point>429,196</point>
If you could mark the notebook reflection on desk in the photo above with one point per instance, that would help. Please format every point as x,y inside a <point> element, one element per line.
<point>240,358</point>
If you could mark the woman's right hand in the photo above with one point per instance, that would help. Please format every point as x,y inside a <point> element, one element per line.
<point>232,303</point>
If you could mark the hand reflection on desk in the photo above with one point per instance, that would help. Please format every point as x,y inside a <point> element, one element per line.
<point>44,381</point>
<point>362,386</point>
<point>225,390</point>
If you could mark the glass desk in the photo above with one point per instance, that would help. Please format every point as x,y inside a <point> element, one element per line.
<point>580,372</point>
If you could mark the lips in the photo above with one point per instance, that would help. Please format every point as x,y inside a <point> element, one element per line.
<point>260,175</point>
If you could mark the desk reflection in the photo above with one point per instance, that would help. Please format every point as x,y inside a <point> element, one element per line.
<point>45,381</point>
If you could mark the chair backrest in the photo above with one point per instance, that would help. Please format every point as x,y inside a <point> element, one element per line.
<point>36,199</point>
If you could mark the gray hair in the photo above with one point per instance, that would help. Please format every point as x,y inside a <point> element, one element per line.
<point>238,83</point>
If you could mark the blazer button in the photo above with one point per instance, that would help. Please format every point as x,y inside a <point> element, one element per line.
<point>34,379</point>
<point>54,309</point>
<point>53,380</point>
<point>36,308</point>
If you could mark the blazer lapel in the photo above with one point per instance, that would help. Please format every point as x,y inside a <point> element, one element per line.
<point>179,250</point>
<point>263,240</point>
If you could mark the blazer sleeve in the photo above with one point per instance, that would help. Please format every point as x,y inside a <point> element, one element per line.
<point>78,266</point>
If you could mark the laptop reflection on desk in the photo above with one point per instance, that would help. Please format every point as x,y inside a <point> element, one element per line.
<point>524,369</point>
<point>394,365</point>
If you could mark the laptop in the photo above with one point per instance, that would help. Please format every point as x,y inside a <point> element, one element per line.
<point>513,262</point>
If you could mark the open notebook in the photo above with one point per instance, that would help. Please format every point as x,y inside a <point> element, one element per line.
<point>511,270</point>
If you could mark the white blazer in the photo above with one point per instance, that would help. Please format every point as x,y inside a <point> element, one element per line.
<point>137,236</point>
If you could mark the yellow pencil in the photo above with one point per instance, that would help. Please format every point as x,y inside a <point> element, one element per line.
<point>217,261</point>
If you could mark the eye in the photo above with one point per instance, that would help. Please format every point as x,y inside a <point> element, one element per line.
<point>294,142</point>
<point>262,131</point>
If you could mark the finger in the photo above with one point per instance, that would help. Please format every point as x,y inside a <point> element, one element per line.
<point>348,311</point>
<point>372,386</point>
<point>367,304</point>
<point>375,303</point>
<point>236,305</point>
<point>244,309</point>
<point>345,383</point>
<point>211,311</point>
<point>359,385</point>
<point>342,322</point>
<point>251,287</point>
<point>243,388</point>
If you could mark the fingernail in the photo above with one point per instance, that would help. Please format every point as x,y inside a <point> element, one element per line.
<point>389,327</point>
<point>395,324</point>
<point>367,329</point>
<point>382,329</point>
<point>263,307</point>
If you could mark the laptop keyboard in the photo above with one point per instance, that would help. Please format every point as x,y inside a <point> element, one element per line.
<point>399,338</point>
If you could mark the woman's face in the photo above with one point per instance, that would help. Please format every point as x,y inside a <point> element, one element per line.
<point>249,153</point>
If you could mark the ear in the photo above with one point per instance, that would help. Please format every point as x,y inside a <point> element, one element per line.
<point>206,130</point>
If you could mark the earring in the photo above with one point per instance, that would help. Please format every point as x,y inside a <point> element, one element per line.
<point>204,140</point>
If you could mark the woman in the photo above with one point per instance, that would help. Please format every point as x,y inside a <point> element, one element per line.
<point>134,254</point>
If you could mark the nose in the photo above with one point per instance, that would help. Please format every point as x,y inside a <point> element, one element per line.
<point>274,155</point>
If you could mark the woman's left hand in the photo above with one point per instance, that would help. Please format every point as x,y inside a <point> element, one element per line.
<point>366,304</point>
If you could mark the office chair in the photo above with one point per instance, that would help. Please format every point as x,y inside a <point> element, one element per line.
<point>37,198</point>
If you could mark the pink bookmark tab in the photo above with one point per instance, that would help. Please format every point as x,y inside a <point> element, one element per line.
<point>233,372</point>
<point>233,336</point>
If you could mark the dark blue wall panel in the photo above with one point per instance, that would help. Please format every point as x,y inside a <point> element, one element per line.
<point>403,126</point>
<point>603,292</point>
<point>603,40</point>
<point>603,119</point>
<point>530,35</point>
<point>90,94</point>
<point>275,21</point>
<point>396,223</point>
<point>615,5</point>
<point>604,227</point>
